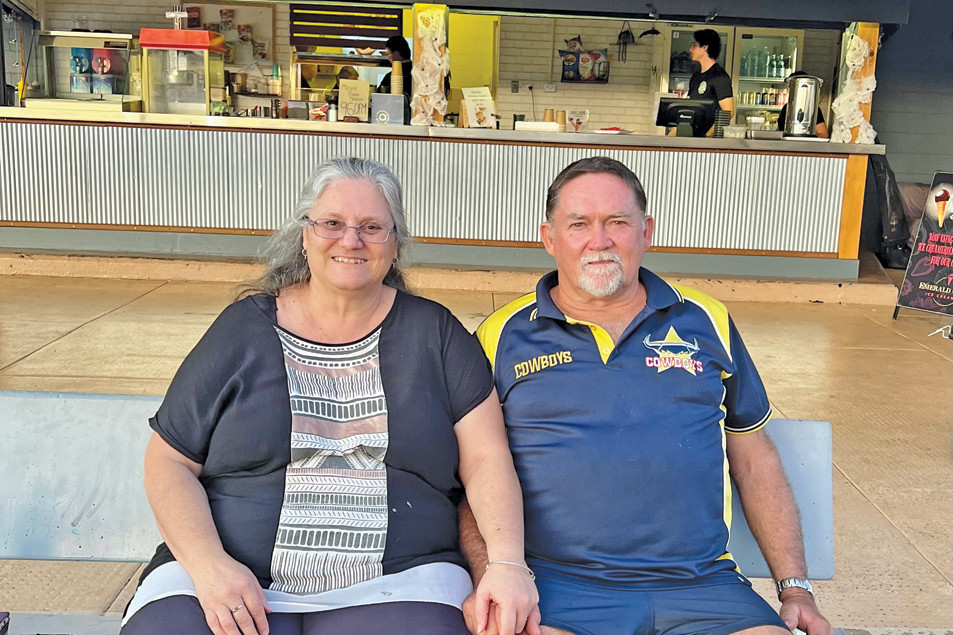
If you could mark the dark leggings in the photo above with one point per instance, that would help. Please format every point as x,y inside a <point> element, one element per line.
<point>182,615</point>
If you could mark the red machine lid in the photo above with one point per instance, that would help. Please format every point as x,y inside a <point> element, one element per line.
<point>182,39</point>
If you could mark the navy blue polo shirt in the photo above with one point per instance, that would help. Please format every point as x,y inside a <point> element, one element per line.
<point>620,448</point>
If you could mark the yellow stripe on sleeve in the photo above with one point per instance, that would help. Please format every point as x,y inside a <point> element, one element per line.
<point>716,311</point>
<point>491,328</point>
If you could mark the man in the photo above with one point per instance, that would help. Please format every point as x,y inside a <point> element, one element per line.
<point>618,390</point>
<point>712,82</point>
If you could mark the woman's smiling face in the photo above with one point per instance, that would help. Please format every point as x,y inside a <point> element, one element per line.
<point>350,263</point>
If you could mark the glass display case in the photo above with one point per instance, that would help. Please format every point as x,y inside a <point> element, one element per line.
<point>75,70</point>
<point>315,75</point>
<point>183,72</point>
<point>763,59</point>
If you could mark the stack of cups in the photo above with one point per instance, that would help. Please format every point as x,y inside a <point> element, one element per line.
<point>561,120</point>
<point>396,79</point>
<point>722,120</point>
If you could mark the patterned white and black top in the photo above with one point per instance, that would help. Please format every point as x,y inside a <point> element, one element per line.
<point>327,466</point>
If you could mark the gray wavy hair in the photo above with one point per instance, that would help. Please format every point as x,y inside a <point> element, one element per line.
<point>285,263</point>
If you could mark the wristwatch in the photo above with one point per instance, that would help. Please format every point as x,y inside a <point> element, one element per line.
<point>800,583</point>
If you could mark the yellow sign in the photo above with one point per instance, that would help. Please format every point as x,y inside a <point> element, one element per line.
<point>354,98</point>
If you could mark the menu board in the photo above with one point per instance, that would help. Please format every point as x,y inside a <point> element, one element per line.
<point>480,108</point>
<point>928,282</point>
<point>354,98</point>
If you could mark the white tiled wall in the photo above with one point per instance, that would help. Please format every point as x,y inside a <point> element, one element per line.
<point>529,53</point>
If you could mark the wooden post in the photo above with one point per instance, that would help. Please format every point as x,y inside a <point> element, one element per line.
<point>870,33</point>
<point>852,207</point>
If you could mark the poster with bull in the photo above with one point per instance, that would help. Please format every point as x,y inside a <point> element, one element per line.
<point>928,282</point>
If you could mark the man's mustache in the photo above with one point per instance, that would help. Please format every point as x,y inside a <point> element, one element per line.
<point>601,257</point>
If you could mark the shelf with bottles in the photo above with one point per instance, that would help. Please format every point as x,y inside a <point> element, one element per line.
<point>756,107</point>
<point>766,58</point>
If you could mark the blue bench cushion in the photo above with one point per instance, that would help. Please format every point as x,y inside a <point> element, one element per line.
<point>72,468</point>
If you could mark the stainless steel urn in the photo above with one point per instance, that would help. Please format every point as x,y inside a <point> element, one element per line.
<point>804,93</point>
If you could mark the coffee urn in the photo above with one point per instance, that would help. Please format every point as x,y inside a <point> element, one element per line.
<point>804,93</point>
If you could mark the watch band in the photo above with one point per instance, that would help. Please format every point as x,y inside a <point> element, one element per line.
<point>800,583</point>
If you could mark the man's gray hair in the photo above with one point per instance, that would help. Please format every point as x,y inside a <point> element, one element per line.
<point>595,165</point>
<point>285,263</point>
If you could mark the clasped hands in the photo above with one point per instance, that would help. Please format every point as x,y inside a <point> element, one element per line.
<point>505,602</point>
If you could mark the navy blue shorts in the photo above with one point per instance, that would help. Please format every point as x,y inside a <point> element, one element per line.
<point>717,609</point>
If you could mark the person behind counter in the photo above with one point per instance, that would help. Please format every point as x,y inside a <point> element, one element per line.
<point>307,461</point>
<point>820,128</point>
<point>398,51</point>
<point>711,82</point>
<point>346,72</point>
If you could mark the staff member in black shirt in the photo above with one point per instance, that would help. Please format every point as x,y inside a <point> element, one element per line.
<point>398,51</point>
<point>712,82</point>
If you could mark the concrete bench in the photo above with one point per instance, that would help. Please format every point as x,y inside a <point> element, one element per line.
<point>72,468</point>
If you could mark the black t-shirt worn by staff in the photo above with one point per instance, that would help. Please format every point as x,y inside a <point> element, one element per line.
<point>713,84</point>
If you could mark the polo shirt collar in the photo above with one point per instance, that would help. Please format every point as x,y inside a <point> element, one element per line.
<point>658,293</point>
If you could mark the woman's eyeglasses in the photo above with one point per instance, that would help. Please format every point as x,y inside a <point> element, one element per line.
<point>334,229</point>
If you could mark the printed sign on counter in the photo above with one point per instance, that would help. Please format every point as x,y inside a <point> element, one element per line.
<point>928,282</point>
<point>354,99</point>
<point>480,108</point>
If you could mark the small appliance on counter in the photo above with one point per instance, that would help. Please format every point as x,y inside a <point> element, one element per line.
<point>83,71</point>
<point>183,72</point>
<point>390,109</point>
<point>805,93</point>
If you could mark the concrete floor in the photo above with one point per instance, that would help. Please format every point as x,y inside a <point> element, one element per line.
<point>886,386</point>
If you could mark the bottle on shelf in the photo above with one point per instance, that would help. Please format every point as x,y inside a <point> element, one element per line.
<point>752,57</point>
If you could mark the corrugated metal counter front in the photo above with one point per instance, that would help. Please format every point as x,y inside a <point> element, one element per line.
<point>471,187</point>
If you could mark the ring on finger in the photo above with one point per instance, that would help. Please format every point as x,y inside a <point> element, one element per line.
<point>238,608</point>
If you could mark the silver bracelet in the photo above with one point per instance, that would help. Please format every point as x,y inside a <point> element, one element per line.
<point>532,576</point>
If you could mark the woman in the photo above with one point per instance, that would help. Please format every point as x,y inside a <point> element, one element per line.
<point>398,51</point>
<point>304,464</point>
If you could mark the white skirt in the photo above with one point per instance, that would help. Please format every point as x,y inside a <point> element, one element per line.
<point>439,582</point>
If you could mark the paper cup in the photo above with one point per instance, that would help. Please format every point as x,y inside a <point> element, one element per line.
<point>549,115</point>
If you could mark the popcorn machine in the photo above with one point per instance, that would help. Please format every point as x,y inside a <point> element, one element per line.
<point>183,72</point>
